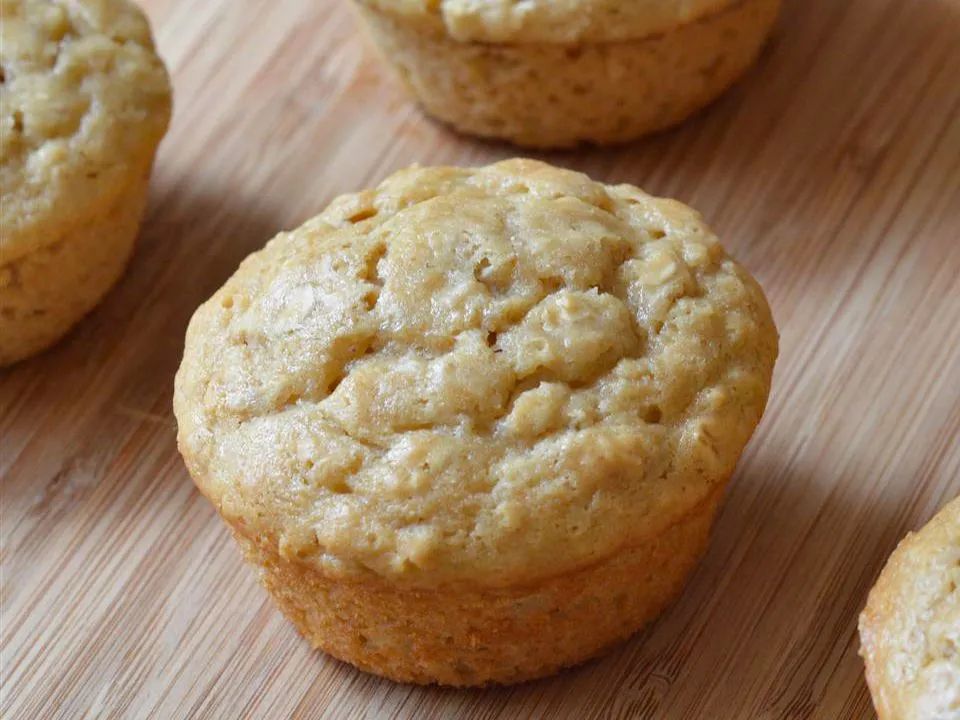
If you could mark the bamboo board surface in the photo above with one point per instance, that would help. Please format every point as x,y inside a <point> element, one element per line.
<point>832,172</point>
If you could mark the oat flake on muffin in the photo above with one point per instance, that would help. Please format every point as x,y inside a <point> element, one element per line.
<point>474,424</point>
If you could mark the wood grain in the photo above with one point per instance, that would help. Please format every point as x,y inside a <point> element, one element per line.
<point>832,172</point>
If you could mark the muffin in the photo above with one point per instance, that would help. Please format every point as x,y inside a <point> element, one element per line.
<point>473,425</point>
<point>85,102</point>
<point>542,73</point>
<point>910,629</point>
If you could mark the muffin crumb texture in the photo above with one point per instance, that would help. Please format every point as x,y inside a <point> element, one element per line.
<point>474,376</point>
<point>557,74</point>
<point>85,101</point>
<point>910,629</point>
<point>85,97</point>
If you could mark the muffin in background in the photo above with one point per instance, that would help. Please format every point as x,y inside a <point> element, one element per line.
<point>542,73</point>
<point>910,628</point>
<point>85,102</point>
<point>473,425</point>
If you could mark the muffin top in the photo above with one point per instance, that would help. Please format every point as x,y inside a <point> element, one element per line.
<point>85,100</point>
<point>547,21</point>
<point>475,375</point>
<point>910,629</point>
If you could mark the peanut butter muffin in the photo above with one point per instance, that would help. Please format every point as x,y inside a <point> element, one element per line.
<point>473,425</point>
<point>910,629</point>
<point>544,73</point>
<point>85,102</point>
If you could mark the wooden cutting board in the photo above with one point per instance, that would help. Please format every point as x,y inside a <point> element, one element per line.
<point>832,172</point>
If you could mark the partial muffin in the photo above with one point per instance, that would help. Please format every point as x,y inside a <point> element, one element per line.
<point>474,425</point>
<point>543,73</point>
<point>85,101</point>
<point>910,629</point>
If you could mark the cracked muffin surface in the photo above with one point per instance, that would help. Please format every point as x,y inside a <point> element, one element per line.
<point>84,102</point>
<point>479,375</point>
<point>910,628</point>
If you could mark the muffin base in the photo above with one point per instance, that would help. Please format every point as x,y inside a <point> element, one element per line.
<point>471,636</point>
<point>553,95</point>
<point>45,292</point>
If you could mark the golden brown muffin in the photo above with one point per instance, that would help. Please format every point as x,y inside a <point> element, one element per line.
<point>85,102</point>
<point>549,73</point>
<point>910,629</point>
<point>473,425</point>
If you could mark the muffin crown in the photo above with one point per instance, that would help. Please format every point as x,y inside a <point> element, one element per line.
<point>910,628</point>
<point>548,21</point>
<point>475,375</point>
<point>85,101</point>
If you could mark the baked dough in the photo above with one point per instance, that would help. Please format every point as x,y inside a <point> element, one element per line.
<point>549,73</point>
<point>910,629</point>
<point>85,102</point>
<point>474,424</point>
